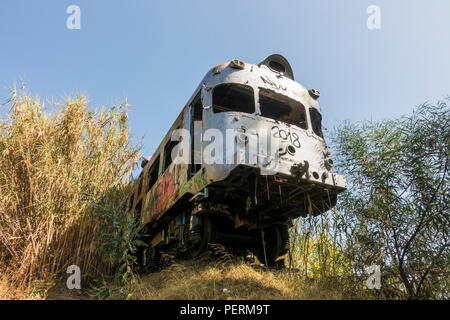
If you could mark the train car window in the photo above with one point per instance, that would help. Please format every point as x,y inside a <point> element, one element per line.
<point>195,129</point>
<point>316,122</point>
<point>233,97</point>
<point>168,153</point>
<point>153,174</point>
<point>197,108</point>
<point>282,108</point>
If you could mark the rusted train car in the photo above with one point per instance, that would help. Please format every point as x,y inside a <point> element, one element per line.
<point>249,199</point>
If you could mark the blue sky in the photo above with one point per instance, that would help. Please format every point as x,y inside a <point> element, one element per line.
<point>154,53</point>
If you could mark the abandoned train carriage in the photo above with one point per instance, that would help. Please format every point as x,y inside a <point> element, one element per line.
<point>186,206</point>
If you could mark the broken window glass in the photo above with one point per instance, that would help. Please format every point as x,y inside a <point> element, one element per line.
<point>282,108</point>
<point>316,121</point>
<point>233,97</point>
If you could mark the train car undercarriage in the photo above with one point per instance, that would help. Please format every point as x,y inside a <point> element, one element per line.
<point>247,212</point>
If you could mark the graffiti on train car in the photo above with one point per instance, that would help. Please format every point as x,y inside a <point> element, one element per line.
<point>197,182</point>
<point>164,194</point>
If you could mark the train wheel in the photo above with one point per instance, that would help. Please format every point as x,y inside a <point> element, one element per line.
<point>155,258</point>
<point>276,244</point>
<point>205,231</point>
<point>142,257</point>
<point>148,259</point>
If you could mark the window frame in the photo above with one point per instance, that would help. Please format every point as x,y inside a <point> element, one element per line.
<point>215,107</point>
<point>304,109</point>
<point>154,168</point>
<point>167,155</point>
<point>314,110</point>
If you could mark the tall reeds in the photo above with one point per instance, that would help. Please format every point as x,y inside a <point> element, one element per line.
<point>54,162</point>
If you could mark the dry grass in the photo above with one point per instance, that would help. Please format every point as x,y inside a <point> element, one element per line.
<point>53,162</point>
<point>193,281</point>
<point>9,291</point>
<point>199,281</point>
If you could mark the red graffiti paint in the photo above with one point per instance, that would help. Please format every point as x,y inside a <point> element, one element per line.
<point>164,193</point>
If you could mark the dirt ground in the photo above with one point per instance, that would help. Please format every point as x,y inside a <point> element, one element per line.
<point>60,292</point>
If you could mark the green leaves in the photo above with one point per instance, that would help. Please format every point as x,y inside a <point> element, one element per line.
<point>397,200</point>
<point>119,241</point>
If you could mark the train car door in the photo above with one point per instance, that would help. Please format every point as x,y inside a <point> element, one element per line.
<point>196,111</point>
